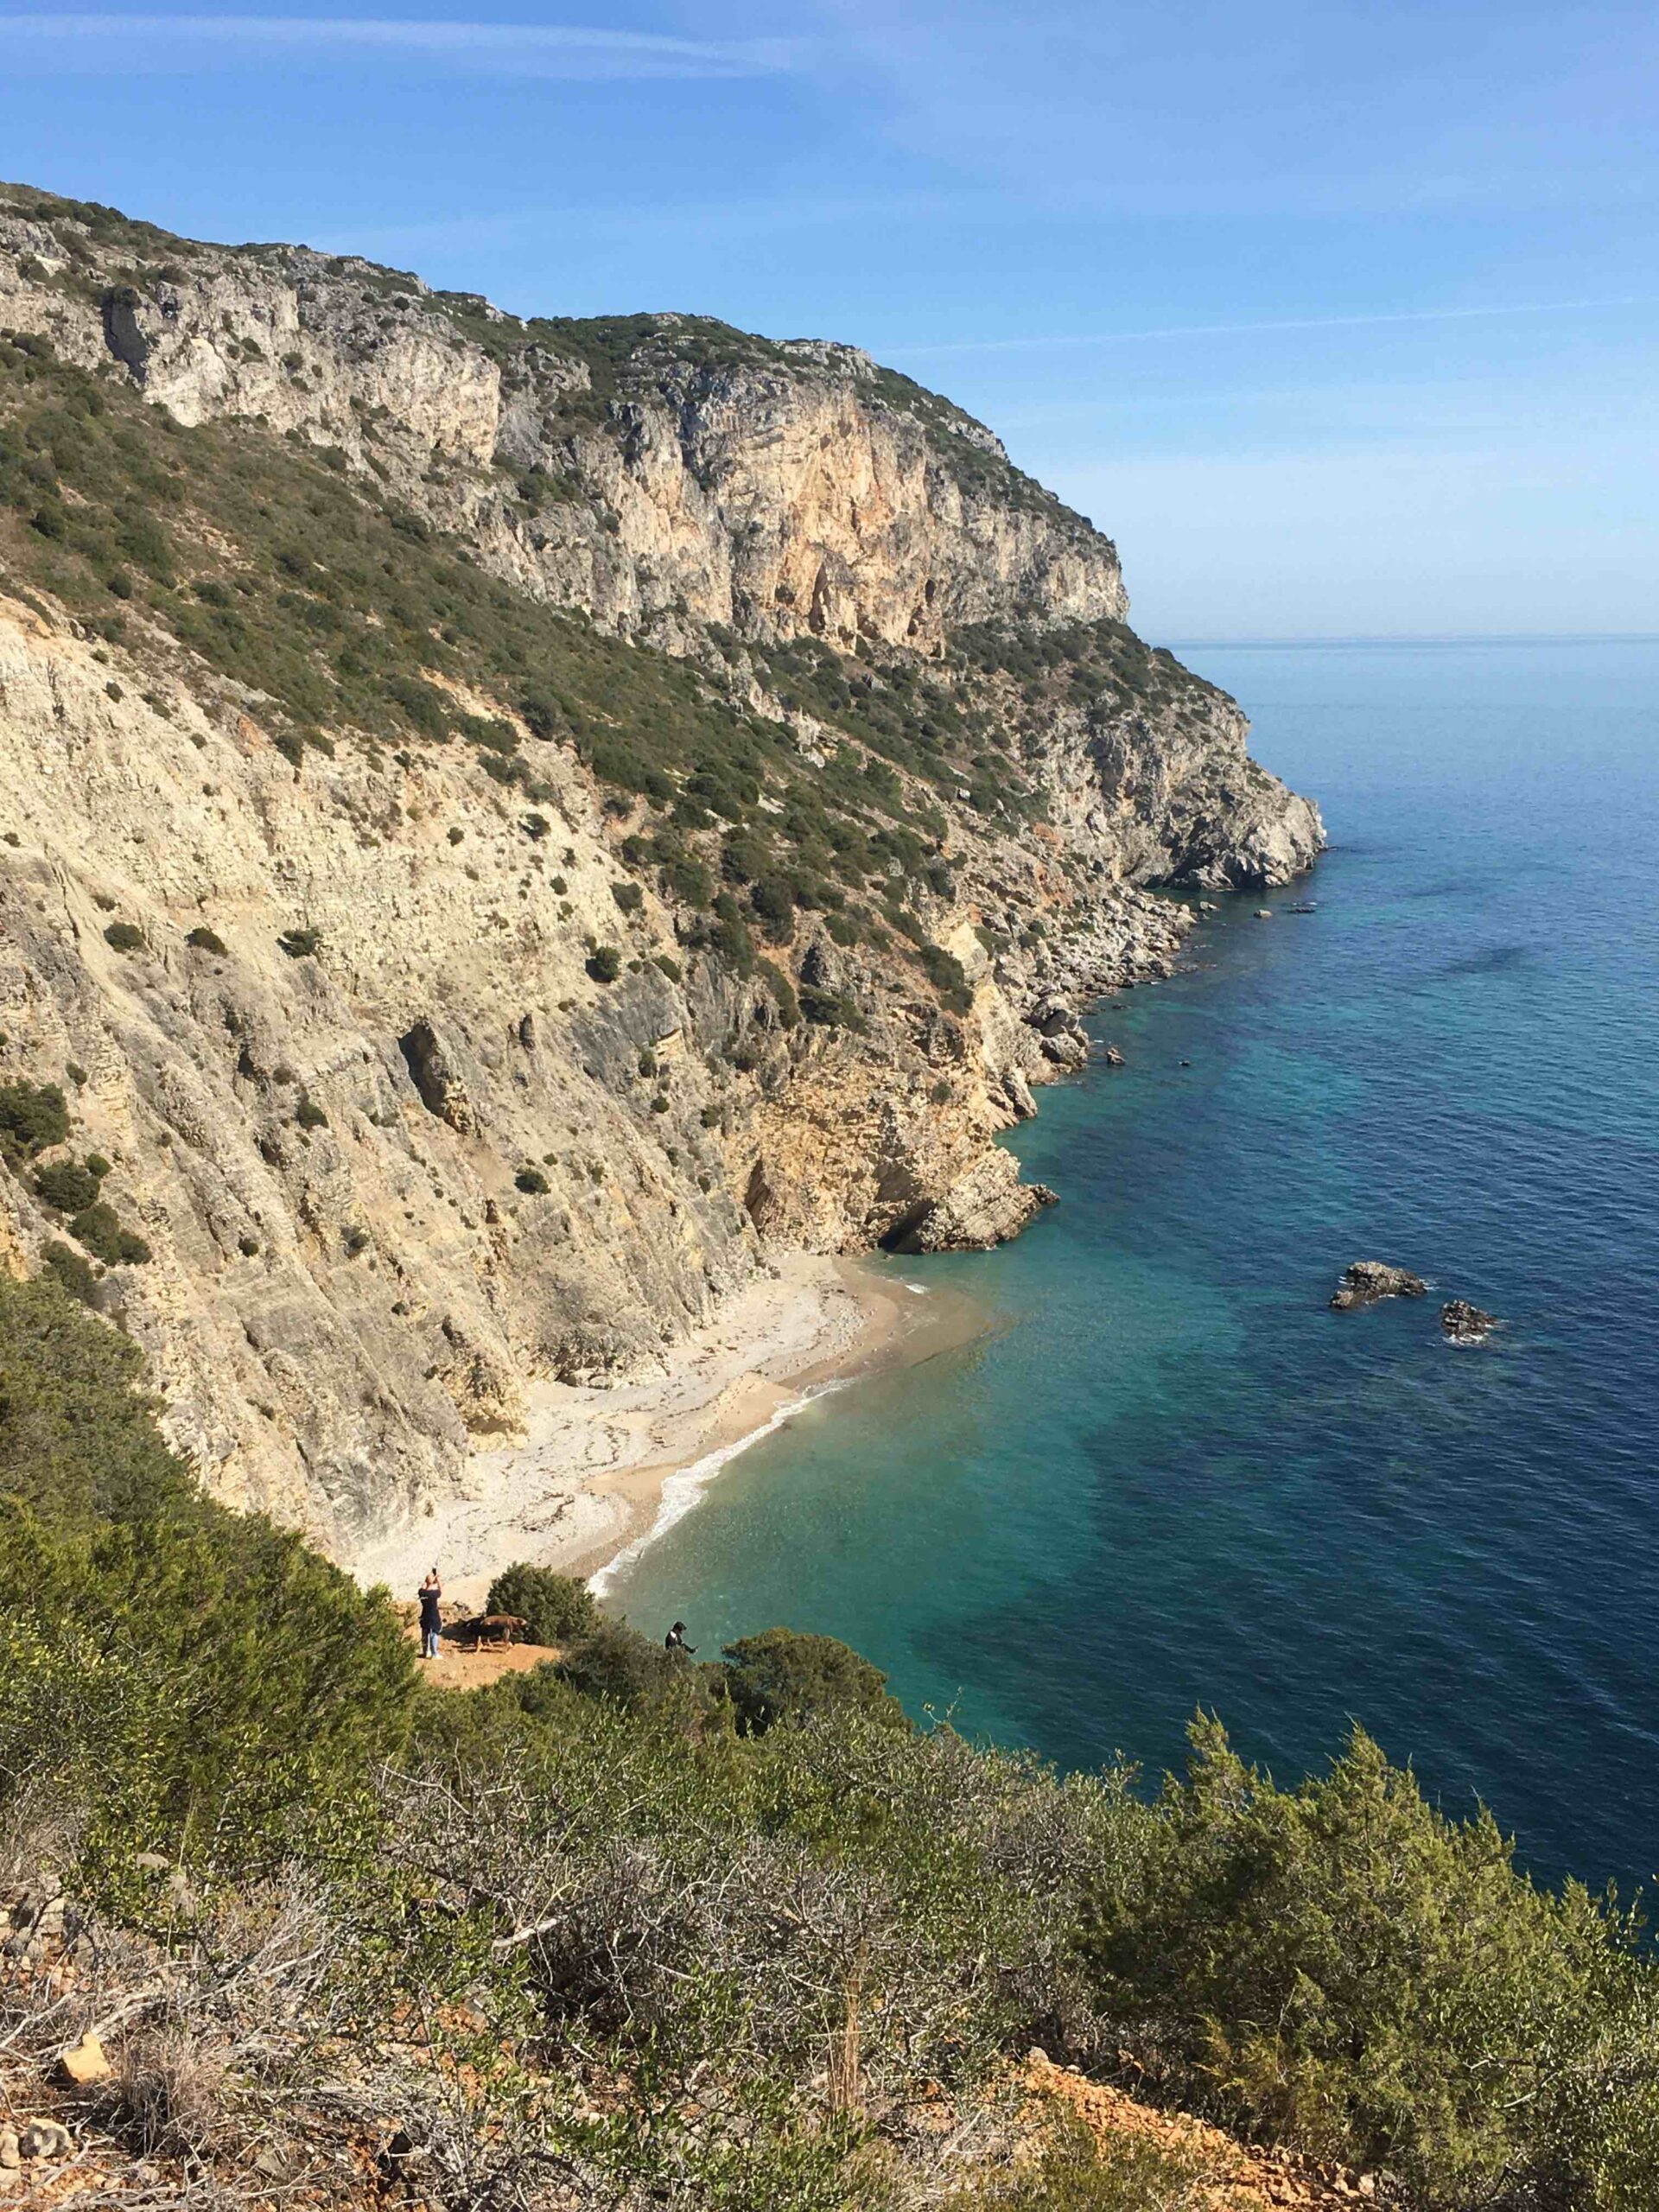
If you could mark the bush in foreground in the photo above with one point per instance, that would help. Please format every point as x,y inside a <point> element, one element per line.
<point>716,1937</point>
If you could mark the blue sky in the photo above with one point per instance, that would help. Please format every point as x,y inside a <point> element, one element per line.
<point>1341,319</point>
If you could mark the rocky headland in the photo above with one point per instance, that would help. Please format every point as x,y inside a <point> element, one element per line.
<point>507,829</point>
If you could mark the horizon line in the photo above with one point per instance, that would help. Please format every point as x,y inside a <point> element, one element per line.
<point>1420,638</point>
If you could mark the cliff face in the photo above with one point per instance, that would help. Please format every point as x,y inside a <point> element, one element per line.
<point>699,476</point>
<point>460,990</point>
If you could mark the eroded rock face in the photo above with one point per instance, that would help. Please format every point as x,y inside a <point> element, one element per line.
<point>1368,1281</point>
<point>396,1144</point>
<point>985,1207</point>
<point>787,488</point>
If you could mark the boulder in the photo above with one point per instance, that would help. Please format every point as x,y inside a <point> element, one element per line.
<point>1112,1057</point>
<point>84,2062</point>
<point>45,2138</point>
<point>1465,1324</point>
<point>431,1062</point>
<point>986,1206</point>
<point>1366,1280</point>
<point>1017,1092</point>
<point>1068,1049</point>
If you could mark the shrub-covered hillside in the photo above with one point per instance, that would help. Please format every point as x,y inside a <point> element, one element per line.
<point>631,1931</point>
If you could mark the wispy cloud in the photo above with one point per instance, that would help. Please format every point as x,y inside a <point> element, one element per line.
<point>787,211</point>
<point>1242,329</point>
<point>102,42</point>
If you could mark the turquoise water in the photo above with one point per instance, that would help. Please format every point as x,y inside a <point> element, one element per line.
<point>1171,1476</point>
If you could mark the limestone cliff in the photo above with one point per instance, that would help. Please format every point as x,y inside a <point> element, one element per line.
<point>502,821</point>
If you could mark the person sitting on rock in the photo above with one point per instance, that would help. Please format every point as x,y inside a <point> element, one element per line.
<point>431,1619</point>
<point>674,1641</point>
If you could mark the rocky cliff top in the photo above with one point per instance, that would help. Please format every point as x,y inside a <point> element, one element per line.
<point>653,469</point>
<point>502,824</point>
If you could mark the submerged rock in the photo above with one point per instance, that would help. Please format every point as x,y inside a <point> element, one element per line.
<point>1366,1280</point>
<point>1465,1324</point>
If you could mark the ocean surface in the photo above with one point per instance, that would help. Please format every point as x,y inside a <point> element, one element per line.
<point>1170,1477</point>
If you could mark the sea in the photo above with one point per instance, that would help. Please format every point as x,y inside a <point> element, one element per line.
<point>1168,1476</point>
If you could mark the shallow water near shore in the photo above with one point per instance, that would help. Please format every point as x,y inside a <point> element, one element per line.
<point>1169,1476</point>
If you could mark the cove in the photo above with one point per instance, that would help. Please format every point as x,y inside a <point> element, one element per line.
<point>1168,1476</point>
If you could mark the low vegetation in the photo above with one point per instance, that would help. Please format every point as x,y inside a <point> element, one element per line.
<point>632,1928</point>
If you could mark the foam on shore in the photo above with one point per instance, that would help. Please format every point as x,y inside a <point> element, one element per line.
<point>681,1489</point>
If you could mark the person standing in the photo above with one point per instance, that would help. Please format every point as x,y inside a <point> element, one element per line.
<point>431,1619</point>
<point>674,1641</point>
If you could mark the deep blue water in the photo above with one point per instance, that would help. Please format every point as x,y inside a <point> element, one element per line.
<point>1171,1477</point>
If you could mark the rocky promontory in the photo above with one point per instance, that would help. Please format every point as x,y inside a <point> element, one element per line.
<point>504,824</point>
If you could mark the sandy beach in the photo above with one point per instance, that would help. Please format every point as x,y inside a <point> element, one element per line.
<point>600,1471</point>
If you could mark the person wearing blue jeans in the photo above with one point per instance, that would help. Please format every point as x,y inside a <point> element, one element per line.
<point>431,1619</point>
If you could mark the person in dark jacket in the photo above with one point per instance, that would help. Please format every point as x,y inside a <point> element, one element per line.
<point>674,1641</point>
<point>431,1619</point>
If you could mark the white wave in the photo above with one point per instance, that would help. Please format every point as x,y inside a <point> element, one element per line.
<point>684,1487</point>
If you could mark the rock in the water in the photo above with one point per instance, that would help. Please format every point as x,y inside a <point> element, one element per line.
<point>1465,1324</point>
<point>1112,1057</point>
<point>1366,1280</point>
<point>1264,913</point>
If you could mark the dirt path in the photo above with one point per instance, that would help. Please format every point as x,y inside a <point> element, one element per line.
<point>1235,2177</point>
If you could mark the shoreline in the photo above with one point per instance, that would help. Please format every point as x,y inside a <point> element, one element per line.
<point>601,1472</point>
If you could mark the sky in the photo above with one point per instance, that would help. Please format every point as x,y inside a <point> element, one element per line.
<point>1341,319</point>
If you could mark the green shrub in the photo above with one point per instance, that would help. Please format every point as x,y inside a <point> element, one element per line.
<point>124,936</point>
<point>784,992</point>
<point>783,1677</point>
<point>99,1228</point>
<point>1345,1969</point>
<point>605,964</point>
<point>215,1690</point>
<point>301,944</point>
<point>615,1664</point>
<point>206,940</point>
<point>67,1186</point>
<point>309,1114</point>
<point>78,1439</point>
<point>70,1269</point>
<point>554,1607</point>
<point>32,1116</point>
<point>945,972</point>
<point>628,896</point>
<point>1075,2172</point>
<point>532,1182</point>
